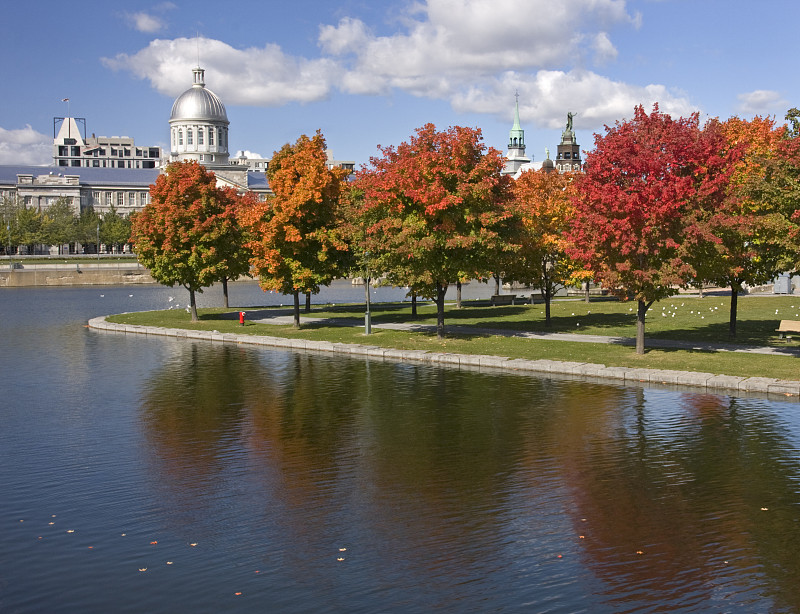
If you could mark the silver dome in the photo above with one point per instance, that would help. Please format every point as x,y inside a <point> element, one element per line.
<point>199,103</point>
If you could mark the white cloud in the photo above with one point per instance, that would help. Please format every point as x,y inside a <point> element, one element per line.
<point>472,53</point>
<point>456,42</point>
<point>547,95</point>
<point>256,76</point>
<point>761,102</point>
<point>247,154</point>
<point>25,146</point>
<point>144,22</point>
<point>604,50</point>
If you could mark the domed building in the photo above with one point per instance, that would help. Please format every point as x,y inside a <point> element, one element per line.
<point>199,125</point>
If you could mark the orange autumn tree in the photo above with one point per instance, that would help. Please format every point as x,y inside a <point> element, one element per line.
<point>294,240</point>
<point>742,239</point>
<point>187,234</point>
<point>542,206</point>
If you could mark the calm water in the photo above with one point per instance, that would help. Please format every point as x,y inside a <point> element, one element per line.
<point>222,470</point>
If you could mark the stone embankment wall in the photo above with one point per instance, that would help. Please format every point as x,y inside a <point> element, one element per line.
<point>83,274</point>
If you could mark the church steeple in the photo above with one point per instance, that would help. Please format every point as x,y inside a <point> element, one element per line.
<point>515,157</point>
<point>516,137</point>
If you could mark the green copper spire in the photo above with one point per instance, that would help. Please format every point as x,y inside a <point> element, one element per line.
<point>516,138</point>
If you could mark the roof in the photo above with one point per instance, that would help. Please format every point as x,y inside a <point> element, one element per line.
<point>257,181</point>
<point>199,103</point>
<point>87,175</point>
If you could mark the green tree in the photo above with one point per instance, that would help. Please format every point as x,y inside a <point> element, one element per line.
<point>438,199</point>
<point>30,227</point>
<point>58,223</point>
<point>182,235</point>
<point>294,240</point>
<point>87,228</point>
<point>115,229</point>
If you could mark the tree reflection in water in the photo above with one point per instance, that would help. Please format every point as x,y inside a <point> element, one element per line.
<point>441,478</point>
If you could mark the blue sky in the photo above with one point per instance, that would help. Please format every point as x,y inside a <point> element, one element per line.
<point>369,73</point>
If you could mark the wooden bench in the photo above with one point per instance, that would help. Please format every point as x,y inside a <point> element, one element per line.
<point>788,326</point>
<point>503,299</point>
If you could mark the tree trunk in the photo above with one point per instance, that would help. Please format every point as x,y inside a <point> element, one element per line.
<point>497,284</point>
<point>734,305</point>
<point>640,313</point>
<point>458,295</point>
<point>441,289</point>
<point>296,295</point>
<point>586,294</point>
<point>225,292</point>
<point>413,304</point>
<point>308,302</point>
<point>193,306</point>
<point>547,297</point>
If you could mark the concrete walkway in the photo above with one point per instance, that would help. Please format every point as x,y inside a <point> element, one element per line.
<point>281,318</point>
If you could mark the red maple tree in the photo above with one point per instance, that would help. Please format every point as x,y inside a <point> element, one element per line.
<point>439,198</point>
<point>634,203</point>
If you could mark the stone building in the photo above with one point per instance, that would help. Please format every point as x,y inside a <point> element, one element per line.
<point>73,149</point>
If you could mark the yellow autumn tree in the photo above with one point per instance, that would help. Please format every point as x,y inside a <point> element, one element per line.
<point>542,208</point>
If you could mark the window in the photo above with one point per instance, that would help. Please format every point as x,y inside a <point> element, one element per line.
<point>63,150</point>
<point>220,138</point>
<point>96,197</point>
<point>113,152</point>
<point>199,136</point>
<point>142,198</point>
<point>210,136</point>
<point>189,136</point>
<point>174,140</point>
<point>202,157</point>
<point>108,199</point>
<point>120,199</point>
<point>95,163</point>
<point>180,137</point>
<point>566,155</point>
<point>75,151</point>
<point>131,199</point>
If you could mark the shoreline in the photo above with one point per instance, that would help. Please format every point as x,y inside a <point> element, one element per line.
<point>692,381</point>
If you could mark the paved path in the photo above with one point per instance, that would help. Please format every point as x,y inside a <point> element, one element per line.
<point>281,318</point>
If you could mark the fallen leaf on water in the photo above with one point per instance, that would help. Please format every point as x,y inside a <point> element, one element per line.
<point>153,543</point>
<point>237,594</point>
<point>143,569</point>
<point>639,552</point>
<point>169,562</point>
<point>193,545</point>
<point>70,530</point>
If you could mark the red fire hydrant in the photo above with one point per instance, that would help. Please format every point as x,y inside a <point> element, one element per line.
<point>241,318</point>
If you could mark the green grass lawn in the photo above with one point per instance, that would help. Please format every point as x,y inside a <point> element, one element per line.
<point>683,317</point>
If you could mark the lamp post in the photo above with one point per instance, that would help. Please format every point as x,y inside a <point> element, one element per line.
<point>98,241</point>
<point>367,318</point>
